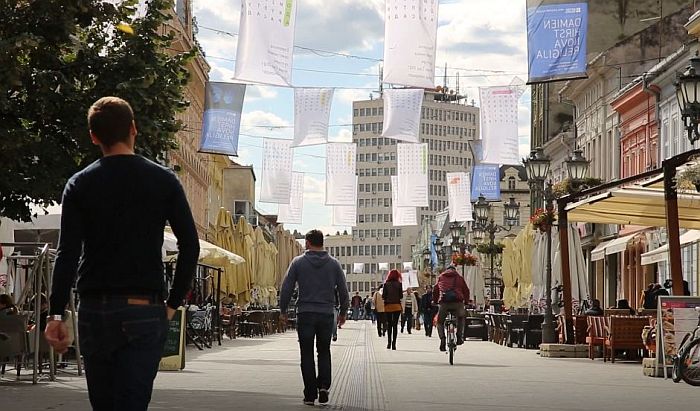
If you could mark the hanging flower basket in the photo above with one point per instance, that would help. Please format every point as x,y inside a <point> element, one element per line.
<point>488,249</point>
<point>470,259</point>
<point>467,259</point>
<point>543,220</point>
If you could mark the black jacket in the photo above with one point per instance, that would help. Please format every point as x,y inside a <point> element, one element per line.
<point>392,292</point>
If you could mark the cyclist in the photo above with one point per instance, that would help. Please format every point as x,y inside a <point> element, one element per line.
<point>450,292</point>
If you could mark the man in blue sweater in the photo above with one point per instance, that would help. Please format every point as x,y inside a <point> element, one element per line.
<point>318,276</point>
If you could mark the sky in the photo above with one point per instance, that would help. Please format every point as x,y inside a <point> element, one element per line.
<point>484,40</point>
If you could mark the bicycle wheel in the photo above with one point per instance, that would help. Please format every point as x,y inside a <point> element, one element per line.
<point>689,364</point>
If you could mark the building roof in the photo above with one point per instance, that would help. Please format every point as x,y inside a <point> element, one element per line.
<point>522,173</point>
<point>653,72</point>
<point>235,165</point>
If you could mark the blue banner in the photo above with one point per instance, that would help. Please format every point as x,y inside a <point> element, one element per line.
<point>433,251</point>
<point>556,41</point>
<point>486,181</point>
<point>221,124</point>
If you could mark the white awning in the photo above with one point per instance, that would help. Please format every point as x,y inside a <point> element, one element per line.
<point>598,253</point>
<point>618,245</point>
<point>661,254</point>
<point>208,252</point>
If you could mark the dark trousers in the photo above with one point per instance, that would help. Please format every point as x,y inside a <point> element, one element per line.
<point>122,346</point>
<point>458,310</point>
<point>428,321</point>
<point>392,320</point>
<point>316,326</point>
<point>381,323</point>
<point>407,321</point>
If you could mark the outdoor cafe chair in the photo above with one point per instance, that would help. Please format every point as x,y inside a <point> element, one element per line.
<point>596,334</point>
<point>14,345</point>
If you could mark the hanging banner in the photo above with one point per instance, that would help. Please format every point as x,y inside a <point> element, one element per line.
<point>410,37</point>
<point>401,216</point>
<point>292,213</point>
<point>556,41</point>
<point>345,216</point>
<point>477,150</point>
<point>383,266</point>
<point>341,180</point>
<point>276,184</point>
<point>266,42</point>
<point>358,268</point>
<point>312,110</point>
<point>223,103</point>
<point>458,196</point>
<point>402,109</point>
<point>499,125</point>
<point>408,265</point>
<point>486,181</point>
<point>412,178</point>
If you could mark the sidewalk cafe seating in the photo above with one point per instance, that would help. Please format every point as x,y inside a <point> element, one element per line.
<point>253,324</point>
<point>624,333</point>
<point>516,329</point>
<point>199,325</point>
<point>229,321</point>
<point>476,327</point>
<point>14,345</point>
<point>596,334</point>
<point>532,332</point>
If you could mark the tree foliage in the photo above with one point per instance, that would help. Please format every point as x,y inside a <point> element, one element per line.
<point>58,57</point>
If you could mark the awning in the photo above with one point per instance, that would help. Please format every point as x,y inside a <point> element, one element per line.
<point>637,206</point>
<point>661,253</point>
<point>208,252</point>
<point>598,253</point>
<point>618,245</point>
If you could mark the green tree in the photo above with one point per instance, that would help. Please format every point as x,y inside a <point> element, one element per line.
<point>58,57</point>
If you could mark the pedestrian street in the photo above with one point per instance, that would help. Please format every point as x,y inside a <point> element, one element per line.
<point>263,374</point>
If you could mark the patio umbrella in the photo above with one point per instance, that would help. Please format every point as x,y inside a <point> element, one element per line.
<point>243,246</point>
<point>510,262</point>
<point>538,269</point>
<point>475,282</point>
<point>526,246</point>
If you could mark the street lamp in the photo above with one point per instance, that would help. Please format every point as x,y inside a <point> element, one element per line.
<point>577,166</point>
<point>483,226</point>
<point>687,88</point>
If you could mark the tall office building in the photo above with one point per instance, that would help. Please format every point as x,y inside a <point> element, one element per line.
<point>447,126</point>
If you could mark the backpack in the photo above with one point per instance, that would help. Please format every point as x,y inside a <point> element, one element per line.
<point>450,296</point>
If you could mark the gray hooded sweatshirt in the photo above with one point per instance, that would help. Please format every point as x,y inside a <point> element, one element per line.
<point>318,275</point>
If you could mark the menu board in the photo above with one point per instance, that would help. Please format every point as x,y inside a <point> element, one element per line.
<point>676,318</point>
<point>173,358</point>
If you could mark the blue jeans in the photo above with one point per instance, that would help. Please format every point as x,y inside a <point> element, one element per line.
<point>122,345</point>
<point>319,327</point>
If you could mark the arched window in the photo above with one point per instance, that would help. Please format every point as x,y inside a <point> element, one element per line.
<point>511,183</point>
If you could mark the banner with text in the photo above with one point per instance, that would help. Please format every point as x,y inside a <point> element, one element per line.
<point>459,196</point>
<point>402,108</point>
<point>345,216</point>
<point>276,184</point>
<point>410,37</point>
<point>292,213</point>
<point>556,41</point>
<point>266,42</point>
<point>499,124</point>
<point>412,175</point>
<point>223,103</point>
<point>341,181</point>
<point>312,109</point>
<point>401,216</point>
<point>486,181</point>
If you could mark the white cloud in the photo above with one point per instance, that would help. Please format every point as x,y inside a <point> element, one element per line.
<point>343,135</point>
<point>314,189</point>
<point>254,92</point>
<point>225,10</point>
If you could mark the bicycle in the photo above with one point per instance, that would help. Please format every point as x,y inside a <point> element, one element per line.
<point>451,335</point>
<point>686,363</point>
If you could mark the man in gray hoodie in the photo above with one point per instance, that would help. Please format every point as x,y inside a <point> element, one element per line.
<point>319,276</point>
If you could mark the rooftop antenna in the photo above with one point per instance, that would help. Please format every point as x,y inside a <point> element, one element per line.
<point>457,91</point>
<point>381,79</point>
<point>444,86</point>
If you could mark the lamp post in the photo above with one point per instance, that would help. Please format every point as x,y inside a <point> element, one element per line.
<point>687,88</point>
<point>428,262</point>
<point>459,244</point>
<point>483,225</point>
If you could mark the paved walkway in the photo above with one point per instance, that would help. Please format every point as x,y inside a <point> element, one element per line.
<point>263,374</point>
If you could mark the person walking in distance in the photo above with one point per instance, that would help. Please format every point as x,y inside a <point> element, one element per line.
<point>428,309</point>
<point>410,310</point>
<point>379,307</point>
<point>356,305</point>
<point>393,295</point>
<point>318,276</point>
<point>113,216</point>
<point>450,292</point>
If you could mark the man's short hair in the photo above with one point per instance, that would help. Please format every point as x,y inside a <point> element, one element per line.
<point>110,119</point>
<point>315,238</point>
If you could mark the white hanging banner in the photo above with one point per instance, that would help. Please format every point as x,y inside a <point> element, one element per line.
<point>292,213</point>
<point>358,268</point>
<point>312,110</point>
<point>221,124</point>
<point>276,184</point>
<point>408,265</point>
<point>409,279</point>
<point>499,124</point>
<point>266,42</point>
<point>459,196</point>
<point>384,266</point>
<point>410,37</point>
<point>412,178</point>
<point>401,216</point>
<point>345,216</point>
<point>341,180</point>
<point>402,108</point>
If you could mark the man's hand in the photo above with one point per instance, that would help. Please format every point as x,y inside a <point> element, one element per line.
<point>56,334</point>
<point>341,319</point>
<point>170,313</point>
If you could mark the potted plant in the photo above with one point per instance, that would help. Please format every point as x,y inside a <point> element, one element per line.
<point>689,178</point>
<point>470,259</point>
<point>487,248</point>
<point>543,220</point>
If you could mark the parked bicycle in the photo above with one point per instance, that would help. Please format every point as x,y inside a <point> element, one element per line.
<point>451,335</point>
<point>686,363</point>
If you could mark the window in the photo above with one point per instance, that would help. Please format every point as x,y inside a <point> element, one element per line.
<point>374,111</point>
<point>386,232</point>
<point>398,232</point>
<point>511,183</point>
<point>373,233</point>
<point>355,112</point>
<point>381,111</point>
<point>392,250</point>
<point>354,250</point>
<point>386,250</point>
<point>374,250</point>
<point>362,249</point>
<point>387,186</point>
<point>362,112</point>
<point>361,218</point>
<point>398,250</point>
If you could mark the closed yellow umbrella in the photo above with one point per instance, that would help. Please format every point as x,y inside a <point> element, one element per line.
<point>526,247</point>
<point>509,262</point>
<point>243,247</point>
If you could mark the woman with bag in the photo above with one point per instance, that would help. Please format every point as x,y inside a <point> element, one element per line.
<point>392,295</point>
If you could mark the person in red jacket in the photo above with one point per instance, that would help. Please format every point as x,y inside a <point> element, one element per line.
<point>450,292</point>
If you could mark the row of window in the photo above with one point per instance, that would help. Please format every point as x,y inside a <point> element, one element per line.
<point>374,202</point>
<point>376,172</point>
<point>436,190</point>
<point>386,232</point>
<point>369,111</point>
<point>374,187</point>
<point>374,218</point>
<point>428,113</point>
<point>441,160</point>
<point>390,156</point>
<point>362,286</point>
<point>425,129</point>
<point>364,250</point>
<point>442,145</point>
